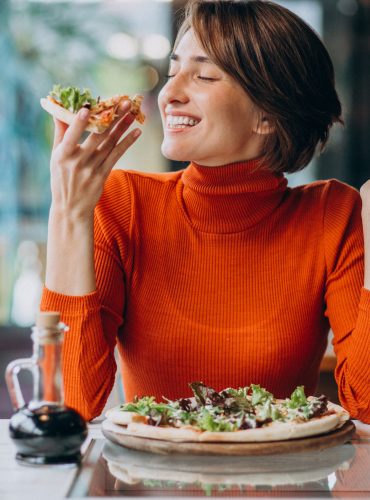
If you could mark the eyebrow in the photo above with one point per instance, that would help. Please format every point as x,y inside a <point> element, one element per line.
<point>198,59</point>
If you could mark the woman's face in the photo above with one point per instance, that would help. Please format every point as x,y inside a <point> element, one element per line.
<point>207,117</point>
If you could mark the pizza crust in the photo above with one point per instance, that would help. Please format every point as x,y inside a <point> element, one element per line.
<point>120,417</point>
<point>66,116</point>
<point>276,431</point>
<point>341,412</point>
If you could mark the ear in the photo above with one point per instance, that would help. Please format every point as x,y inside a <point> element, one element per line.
<point>263,126</point>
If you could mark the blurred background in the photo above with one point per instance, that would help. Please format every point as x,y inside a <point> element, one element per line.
<point>122,46</point>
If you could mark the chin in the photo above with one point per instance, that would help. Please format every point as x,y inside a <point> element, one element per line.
<point>174,154</point>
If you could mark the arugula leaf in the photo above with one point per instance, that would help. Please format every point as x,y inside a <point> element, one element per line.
<point>264,411</point>
<point>207,421</point>
<point>206,395</point>
<point>242,392</point>
<point>237,399</point>
<point>184,417</point>
<point>145,405</point>
<point>298,398</point>
<point>276,414</point>
<point>260,395</point>
<point>199,391</point>
<point>72,98</point>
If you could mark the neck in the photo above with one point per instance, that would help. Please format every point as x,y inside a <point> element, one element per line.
<point>232,197</point>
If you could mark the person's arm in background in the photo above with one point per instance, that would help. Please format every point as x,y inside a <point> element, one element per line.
<point>87,291</point>
<point>365,215</point>
<point>358,473</point>
<point>348,296</point>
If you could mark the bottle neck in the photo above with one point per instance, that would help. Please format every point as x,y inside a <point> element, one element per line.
<point>47,380</point>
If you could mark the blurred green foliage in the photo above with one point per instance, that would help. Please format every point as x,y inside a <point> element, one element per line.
<point>42,43</point>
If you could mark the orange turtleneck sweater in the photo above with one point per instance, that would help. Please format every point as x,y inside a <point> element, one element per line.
<point>220,274</point>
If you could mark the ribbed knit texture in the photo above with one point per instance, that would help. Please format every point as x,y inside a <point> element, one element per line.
<point>220,274</point>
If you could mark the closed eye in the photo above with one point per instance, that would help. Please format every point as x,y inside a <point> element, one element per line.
<point>205,78</point>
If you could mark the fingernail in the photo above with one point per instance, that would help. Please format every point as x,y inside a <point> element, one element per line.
<point>84,113</point>
<point>125,106</point>
<point>137,133</point>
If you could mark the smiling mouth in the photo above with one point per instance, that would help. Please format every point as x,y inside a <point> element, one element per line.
<point>180,122</point>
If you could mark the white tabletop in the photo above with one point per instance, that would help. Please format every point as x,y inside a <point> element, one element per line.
<point>52,483</point>
<point>20,482</point>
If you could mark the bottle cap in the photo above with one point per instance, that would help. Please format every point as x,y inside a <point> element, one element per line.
<point>47,319</point>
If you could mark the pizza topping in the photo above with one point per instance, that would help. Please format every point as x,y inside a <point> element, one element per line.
<point>185,404</point>
<point>206,395</point>
<point>101,111</point>
<point>72,98</point>
<point>298,406</point>
<point>228,410</point>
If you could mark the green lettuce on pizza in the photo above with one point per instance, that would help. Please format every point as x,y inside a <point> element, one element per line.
<point>229,410</point>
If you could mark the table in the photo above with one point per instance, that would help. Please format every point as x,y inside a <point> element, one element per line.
<point>20,482</point>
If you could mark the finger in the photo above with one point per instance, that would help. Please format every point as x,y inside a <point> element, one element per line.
<point>122,125</point>
<point>94,140</point>
<point>107,140</point>
<point>59,131</point>
<point>116,133</point>
<point>120,149</point>
<point>96,157</point>
<point>75,130</point>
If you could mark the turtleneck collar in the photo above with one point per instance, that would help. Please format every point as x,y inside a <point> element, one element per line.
<point>230,198</point>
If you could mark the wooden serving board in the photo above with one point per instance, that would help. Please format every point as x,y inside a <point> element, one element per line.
<point>116,434</point>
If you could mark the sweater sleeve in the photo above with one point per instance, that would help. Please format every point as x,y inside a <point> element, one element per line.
<point>347,302</point>
<point>94,319</point>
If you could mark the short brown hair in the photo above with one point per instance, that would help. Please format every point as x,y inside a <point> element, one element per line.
<point>282,65</point>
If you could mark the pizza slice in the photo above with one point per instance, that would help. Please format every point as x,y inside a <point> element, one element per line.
<point>247,414</point>
<point>64,102</point>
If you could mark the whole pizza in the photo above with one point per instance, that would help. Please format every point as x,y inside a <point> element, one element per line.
<point>247,414</point>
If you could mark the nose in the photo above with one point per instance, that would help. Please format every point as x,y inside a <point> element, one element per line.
<point>174,91</point>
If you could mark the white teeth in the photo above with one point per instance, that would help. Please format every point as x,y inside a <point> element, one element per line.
<point>180,121</point>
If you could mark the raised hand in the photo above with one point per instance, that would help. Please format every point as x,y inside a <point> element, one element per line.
<point>79,170</point>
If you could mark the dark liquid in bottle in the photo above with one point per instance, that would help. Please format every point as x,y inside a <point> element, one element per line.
<point>47,434</point>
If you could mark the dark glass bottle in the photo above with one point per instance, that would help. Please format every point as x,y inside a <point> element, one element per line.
<point>44,431</point>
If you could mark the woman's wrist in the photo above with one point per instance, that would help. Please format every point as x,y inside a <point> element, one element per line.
<point>70,253</point>
<point>70,217</point>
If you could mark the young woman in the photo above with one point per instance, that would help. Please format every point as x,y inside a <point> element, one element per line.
<point>220,272</point>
